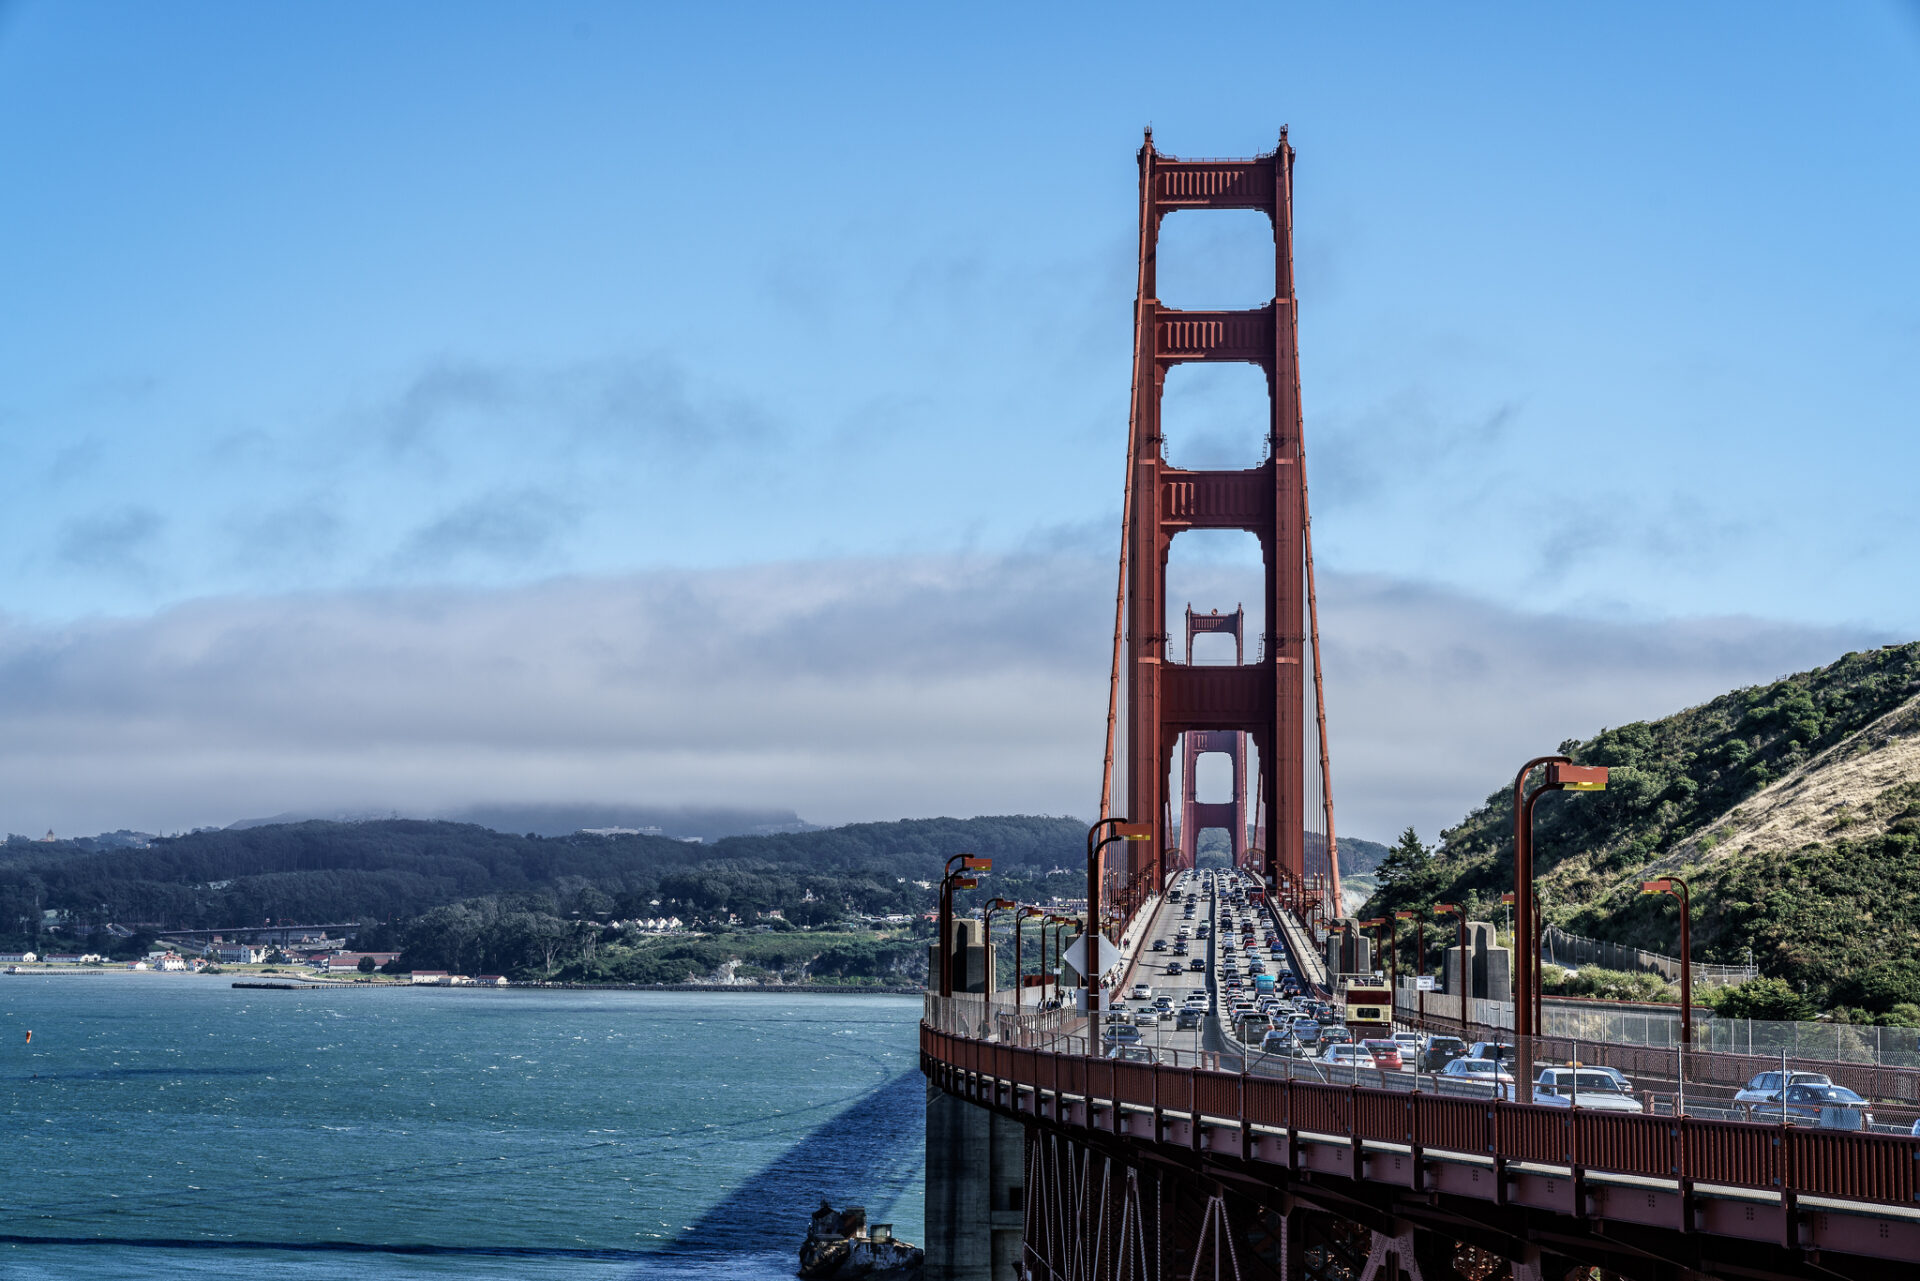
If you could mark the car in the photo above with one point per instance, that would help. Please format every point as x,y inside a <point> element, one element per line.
<point>1498,1051</point>
<point>1174,967</point>
<point>1583,1088</point>
<point>1163,1003</point>
<point>1147,1016</point>
<point>1159,945</point>
<point>1337,1035</point>
<point>1765,1087</point>
<point>1253,1027</point>
<point>1122,1034</point>
<point>1347,1056</point>
<point>1386,1053</point>
<point>1189,1018</point>
<point>1827,1107</point>
<point>1141,991</point>
<point>1196,965</point>
<point>1183,932</point>
<point>1482,1072</point>
<point>1440,1051</point>
<point>1409,1043</point>
<point>1130,1053</point>
<point>1205,930</point>
<point>1181,949</point>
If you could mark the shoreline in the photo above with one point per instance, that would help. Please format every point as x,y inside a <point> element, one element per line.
<point>285,981</point>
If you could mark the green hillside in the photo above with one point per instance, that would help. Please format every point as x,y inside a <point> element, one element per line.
<point>1794,808</point>
<point>390,870</point>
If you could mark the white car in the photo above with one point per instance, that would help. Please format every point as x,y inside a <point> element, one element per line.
<point>1409,1044</point>
<point>1348,1056</point>
<point>1141,991</point>
<point>1583,1088</point>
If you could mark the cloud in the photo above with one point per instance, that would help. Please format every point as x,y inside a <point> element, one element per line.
<point>300,533</point>
<point>503,527</point>
<point>646,399</point>
<point>844,690</point>
<point>113,542</point>
<point>1405,441</point>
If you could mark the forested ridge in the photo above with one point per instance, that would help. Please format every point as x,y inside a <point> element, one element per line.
<point>1833,913</point>
<point>495,898</point>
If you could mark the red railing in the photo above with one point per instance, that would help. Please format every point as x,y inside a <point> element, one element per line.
<point>1875,1168</point>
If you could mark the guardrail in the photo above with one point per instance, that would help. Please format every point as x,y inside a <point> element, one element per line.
<point>1784,1161</point>
<point>1705,1074</point>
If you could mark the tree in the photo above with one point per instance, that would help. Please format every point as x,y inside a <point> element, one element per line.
<point>366,965</point>
<point>1764,999</point>
<point>1407,870</point>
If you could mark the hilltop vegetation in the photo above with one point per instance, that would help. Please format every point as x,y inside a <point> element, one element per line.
<point>1793,808</point>
<point>459,896</point>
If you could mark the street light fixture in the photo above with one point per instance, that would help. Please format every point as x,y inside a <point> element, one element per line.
<point>986,929</point>
<point>1123,830</point>
<point>1562,776</point>
<point>1460,919</point>
<point>955,878</point>
<point>1393,947</point>
<point>1019,974</point>
<point>1419,955</point>
<point>1674,887</point>
<point>1058,923</point>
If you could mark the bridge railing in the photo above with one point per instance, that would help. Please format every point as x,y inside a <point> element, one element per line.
<point>1701,1079</point>
<point>1782,1161</point>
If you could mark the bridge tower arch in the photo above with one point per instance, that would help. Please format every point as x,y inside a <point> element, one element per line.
<point>1196,815</point>
<point>1276,699</point>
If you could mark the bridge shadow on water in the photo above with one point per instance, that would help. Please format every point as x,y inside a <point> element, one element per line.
<point>871,1153</point>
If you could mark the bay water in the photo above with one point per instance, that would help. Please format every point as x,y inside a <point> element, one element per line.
<point>174,1126</point>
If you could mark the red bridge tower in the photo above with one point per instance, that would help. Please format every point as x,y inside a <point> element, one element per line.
<point>1275,700</point>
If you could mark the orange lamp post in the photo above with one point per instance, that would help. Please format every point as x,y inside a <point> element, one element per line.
<point>1676,888</point>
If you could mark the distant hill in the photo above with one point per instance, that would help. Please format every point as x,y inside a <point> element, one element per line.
<point>677,822</point>
<point>1358,857</point>
<point>1793,808</point>
<point>388,869</point>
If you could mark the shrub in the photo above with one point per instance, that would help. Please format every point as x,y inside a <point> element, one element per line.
<point>1761,998</point>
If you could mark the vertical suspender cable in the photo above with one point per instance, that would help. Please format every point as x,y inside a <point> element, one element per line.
<point>1126,499</point>
<point>1319,689</point>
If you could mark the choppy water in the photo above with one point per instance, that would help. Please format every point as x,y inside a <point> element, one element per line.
<point>172,1126</point>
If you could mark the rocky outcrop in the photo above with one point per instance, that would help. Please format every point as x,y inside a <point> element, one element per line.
<point>839,1246</point>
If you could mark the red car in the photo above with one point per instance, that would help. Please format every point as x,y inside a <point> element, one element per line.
<point>1386,1054</point>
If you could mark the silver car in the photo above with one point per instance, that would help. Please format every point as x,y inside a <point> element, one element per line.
<point>1765,1088</point>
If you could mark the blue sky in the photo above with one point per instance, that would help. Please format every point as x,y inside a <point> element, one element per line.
<point>1609,319</point>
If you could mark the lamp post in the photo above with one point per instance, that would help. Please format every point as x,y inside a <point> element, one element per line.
<point>1019,975</point>
<point>1419,956</point>
<point>954,878</point>
<point>1460,919</point>
<point>1123,830</point>
<point>1562,776</point>
<point>1674,887</point>
<point>1393,939</point>
<point>986,929</point>
<point>1057,923</point>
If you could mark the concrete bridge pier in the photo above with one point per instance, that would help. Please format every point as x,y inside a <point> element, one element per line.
<point>976,1191</point>
<point>976,1174</point>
